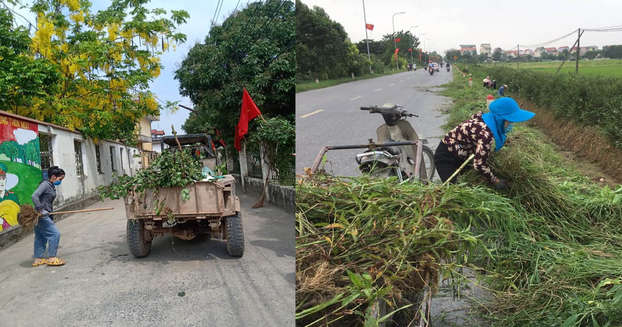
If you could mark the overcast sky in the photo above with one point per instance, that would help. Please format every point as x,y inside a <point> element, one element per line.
<point>449,23</point>
<point>165,86</point>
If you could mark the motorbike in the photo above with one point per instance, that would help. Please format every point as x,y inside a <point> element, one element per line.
<point>399,151</point>
<point>447,68</point>
<point>431,70</point>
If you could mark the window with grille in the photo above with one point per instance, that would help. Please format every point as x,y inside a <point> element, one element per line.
<point>79,162</point>
<point>45,146</point>
<point>99,161</point>
<point>112,158</point>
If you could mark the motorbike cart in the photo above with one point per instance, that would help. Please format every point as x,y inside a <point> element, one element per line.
<point>207,207</point>
<point>399,151</point>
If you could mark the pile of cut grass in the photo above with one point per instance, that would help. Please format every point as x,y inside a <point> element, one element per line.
<point>564,263</point>
<point>368,240</point>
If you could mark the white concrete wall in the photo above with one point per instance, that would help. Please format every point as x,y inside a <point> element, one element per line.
<point>157,146</point>
<point>76,187</point>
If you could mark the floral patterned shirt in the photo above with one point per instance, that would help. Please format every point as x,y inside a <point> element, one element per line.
<point>472,136</point>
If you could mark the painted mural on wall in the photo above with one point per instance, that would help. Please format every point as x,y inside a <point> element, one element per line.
<point>20,167</point>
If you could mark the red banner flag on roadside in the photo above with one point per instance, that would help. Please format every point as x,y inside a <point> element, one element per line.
<point>419,56</point>
<point>410,49</point>
<point>397,40</point>
<point>248,112</point>
<point>369,27</point>
<point>220,139</point>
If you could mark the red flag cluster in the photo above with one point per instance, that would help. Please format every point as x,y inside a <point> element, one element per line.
<point>249,111</point>
<point>397,40</point>
<point>369,27</point>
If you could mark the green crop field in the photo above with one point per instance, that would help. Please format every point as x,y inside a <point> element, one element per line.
<point>610,68</point>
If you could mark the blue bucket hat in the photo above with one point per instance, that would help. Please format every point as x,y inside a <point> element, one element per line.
<point>508,109</point>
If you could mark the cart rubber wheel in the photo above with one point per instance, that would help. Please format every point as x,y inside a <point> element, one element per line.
<point>235,236</point>
<point>138,245</point>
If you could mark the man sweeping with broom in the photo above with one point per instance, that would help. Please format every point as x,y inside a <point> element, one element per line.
<point>45,230</point>
<point>476,137</point>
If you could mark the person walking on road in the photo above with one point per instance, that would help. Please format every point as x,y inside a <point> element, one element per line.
<point>477,136</point>
<point>46,232</point>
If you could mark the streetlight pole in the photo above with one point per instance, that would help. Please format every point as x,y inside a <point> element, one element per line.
<point>427,57</point>
<point>419,38</point>
<point>394,42</point>
<point>411,44</point>
<point>367,38</point>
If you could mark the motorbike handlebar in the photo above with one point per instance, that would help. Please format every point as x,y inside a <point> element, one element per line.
<point>393,110</point>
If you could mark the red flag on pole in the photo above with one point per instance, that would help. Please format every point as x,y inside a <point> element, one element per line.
<point>396,50</point>
<point>369,27</point>
<point>397,40</point>
<point>419,56</point>
<point>410,49</point>
<point>213,147</point>
<point>248,112</point>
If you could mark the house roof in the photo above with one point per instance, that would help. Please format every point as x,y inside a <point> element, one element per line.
<point>157,132</point>
<point>551,49</point>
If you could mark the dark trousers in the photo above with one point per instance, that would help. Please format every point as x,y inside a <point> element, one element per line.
<point>446,163</point>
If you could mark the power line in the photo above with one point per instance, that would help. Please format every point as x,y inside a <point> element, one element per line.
<point>16,13</point>
<point>214,17</point>
<point>221,3</point>
<point>548,42</point>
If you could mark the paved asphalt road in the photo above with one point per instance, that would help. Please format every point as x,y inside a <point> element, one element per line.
<point>332,116</point>
<point>103,285</point>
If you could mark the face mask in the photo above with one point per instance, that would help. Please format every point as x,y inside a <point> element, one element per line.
<point>509,128</point>
<point>57,183</point>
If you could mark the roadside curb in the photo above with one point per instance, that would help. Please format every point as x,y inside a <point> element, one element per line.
<point>283,197</point>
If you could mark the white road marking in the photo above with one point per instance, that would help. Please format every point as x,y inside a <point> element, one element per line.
<point>355,98</point>
<point>313,113</point>
<point>378,90</point>
<point>402,81</point>
<point>392,84</point>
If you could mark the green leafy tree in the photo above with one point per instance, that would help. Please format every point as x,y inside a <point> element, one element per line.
<point>321,44</point>
<point>612,51</point>
<point>375,47</point>
<point>591,54</point>
<point>496,55</point>
<point>9,149</point>
<point>254,49</point>
<point>104,61</point>
<point>22,77</point>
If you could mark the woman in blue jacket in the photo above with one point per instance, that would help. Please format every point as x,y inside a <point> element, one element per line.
<point>46,232</point>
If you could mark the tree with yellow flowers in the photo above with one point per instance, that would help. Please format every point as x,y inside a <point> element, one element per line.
<point>105,61</point>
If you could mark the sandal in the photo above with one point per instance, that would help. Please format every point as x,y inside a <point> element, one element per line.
<point>55,262</point>
<point>42,262</point>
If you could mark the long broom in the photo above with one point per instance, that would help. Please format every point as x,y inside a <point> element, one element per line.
<point>28,217</point>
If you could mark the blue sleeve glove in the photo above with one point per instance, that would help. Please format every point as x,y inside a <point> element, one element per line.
<point>45,213</point>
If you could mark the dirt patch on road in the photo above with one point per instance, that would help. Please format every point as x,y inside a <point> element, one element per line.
<point>592,153</point>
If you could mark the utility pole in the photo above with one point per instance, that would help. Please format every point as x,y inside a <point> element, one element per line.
<point>578,50</point>
<point>411,44</point>
<point>518,57</point>
<point>367,38</point>
<point>395,42</point>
